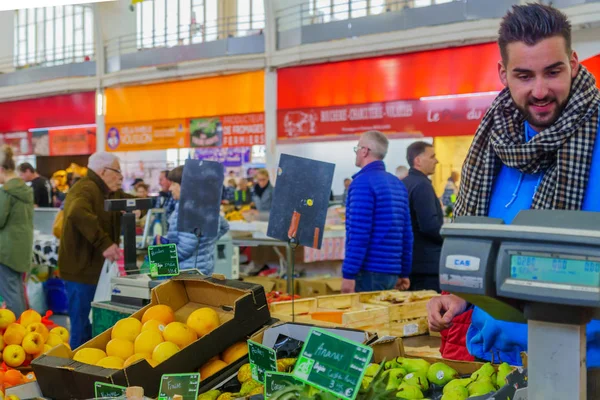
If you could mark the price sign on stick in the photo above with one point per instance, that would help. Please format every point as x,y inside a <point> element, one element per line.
<point>262,359</point>
<point>185,385</point>
<point>275,381</point>
<point>108,391</point>
<point>333,364</point>
<point>163,260</point>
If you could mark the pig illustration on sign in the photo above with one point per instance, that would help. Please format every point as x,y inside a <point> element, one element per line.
<point>300,122</point>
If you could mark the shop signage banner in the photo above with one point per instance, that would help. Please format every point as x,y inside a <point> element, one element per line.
<point>155,135</point>
<point>431,118</point>
<point>228,131</point>
<point>206,132</point>
<point>19,141</point>
<point>64,141</point>
<point>229,157</point>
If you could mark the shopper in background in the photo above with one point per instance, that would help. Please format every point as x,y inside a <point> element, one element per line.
<point>136,182</point>
<point>451,189</point>
<point>193,252</point>
<point>165,199</point>
<point>426,216</point>
<point>89,236</point>
<point>243,195</point>
<point>347,183</point>
<point>378,232</point>
<point>263,191</point>
<point>42,189</point>
<point>141,190</point>
<point>229,191</point>
<point>536,147</point>
<point>401,172</point>
<point>16,233</point>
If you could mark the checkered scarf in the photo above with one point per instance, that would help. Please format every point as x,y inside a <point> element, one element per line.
<point>563,151</point>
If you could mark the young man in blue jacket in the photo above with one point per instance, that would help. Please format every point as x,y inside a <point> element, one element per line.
<point>379,235</point>
<point>536,147</point>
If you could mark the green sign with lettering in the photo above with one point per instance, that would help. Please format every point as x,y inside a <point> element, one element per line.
<point>262,359</point>
<point>163,260</point>
<point>275,381</point>
<point>107,391</point>
<point>333,364</point>
<point>185,385</point>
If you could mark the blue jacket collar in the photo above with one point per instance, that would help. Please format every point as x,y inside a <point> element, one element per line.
<point>374,166</point>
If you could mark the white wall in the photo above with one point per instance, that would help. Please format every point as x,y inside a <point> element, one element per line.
<point>7,33</point>
<point>342,155</point>
<point>118,21</point>
<point>586,42</point>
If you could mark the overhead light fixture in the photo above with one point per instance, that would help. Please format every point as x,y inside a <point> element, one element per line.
<point>460,96</point>
<point>21,4</point>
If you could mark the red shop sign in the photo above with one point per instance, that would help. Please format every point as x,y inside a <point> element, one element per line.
<point>431,117</point>
<point>19,141</point>
<point>243,130</point>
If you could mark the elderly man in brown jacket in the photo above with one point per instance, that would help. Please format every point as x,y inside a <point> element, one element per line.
<point>89,236</point>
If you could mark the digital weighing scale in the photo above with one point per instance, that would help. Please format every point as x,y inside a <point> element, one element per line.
<point>543,269</point>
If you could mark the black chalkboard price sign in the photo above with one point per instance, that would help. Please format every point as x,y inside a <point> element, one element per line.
<point>185,385</point>
<point>163,260</point>
<point>107,391</point>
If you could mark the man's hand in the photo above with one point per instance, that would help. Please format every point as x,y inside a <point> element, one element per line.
<point>403,284</point>
<point>112,253</point>
<point>348,285</point>
<point>441,310</point>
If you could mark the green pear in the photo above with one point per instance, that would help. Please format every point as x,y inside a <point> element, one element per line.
<point>465,382</point>
<point>366,382</point>
<point>248,386</point>
<point>440,374</point>
<point>481,386</point>
<point>391,364</point>
<point>457,393</point>
<point>210,395</point>
<point>419,379</point>
<point>396,375</point>
<point>503,371</point>
<point>409,392</point>
<point>413,364</point>
<point>372,370</point>
<point>486,371</point>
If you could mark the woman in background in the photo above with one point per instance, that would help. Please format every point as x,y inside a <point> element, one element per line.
<point>193,253</point>
<point>263,191</point>
<point>16,233</point>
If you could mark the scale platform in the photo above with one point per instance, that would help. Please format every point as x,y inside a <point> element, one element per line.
<point>133,290</point>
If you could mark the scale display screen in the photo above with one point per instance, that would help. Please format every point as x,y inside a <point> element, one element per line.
<point>559,270</point>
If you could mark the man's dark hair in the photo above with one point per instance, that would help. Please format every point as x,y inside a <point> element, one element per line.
<point>166,172</point>
<point>415,150</point>
<point>26,167</point>
<point>176,175</point>
<point>530,24</point>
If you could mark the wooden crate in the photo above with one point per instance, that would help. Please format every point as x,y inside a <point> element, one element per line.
<point>413,327</point>
<point>355,314</point>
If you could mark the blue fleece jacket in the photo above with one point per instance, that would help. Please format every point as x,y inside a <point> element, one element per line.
<point>513,192</point>
<point>379,235</point>
<point>194,253</point>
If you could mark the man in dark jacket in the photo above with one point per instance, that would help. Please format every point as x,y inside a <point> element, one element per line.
<point>426,216</point>
<point>378,231</point>
<point>90,235</point>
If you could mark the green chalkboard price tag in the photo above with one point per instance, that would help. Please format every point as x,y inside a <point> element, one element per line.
<point>185,385</point>
<point>262,359</point>
<point>107,391</point>
<point>275,381</point>
<point>163,260</point>
<point>333,364</point>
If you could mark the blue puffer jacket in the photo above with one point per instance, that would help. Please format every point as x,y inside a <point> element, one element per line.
<point>379,235</point>
<point>188,242</point>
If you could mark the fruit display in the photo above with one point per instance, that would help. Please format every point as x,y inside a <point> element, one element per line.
<point>399,297</point>
<point>155,338</point>
<point>408,378</point>
<point>27,338</point>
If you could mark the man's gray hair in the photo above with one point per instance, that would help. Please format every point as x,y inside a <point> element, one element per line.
<point>378,143</point>
<point>101,160</point>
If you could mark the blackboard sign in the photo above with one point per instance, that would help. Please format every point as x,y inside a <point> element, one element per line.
<point>300,200</point>
<point>163,260</point>
<point>108,391</point>
<point>185,385</point>
<point>275,381</point>
<point>333,364</point>
<point>262,359</point>
<point>200,202</point>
